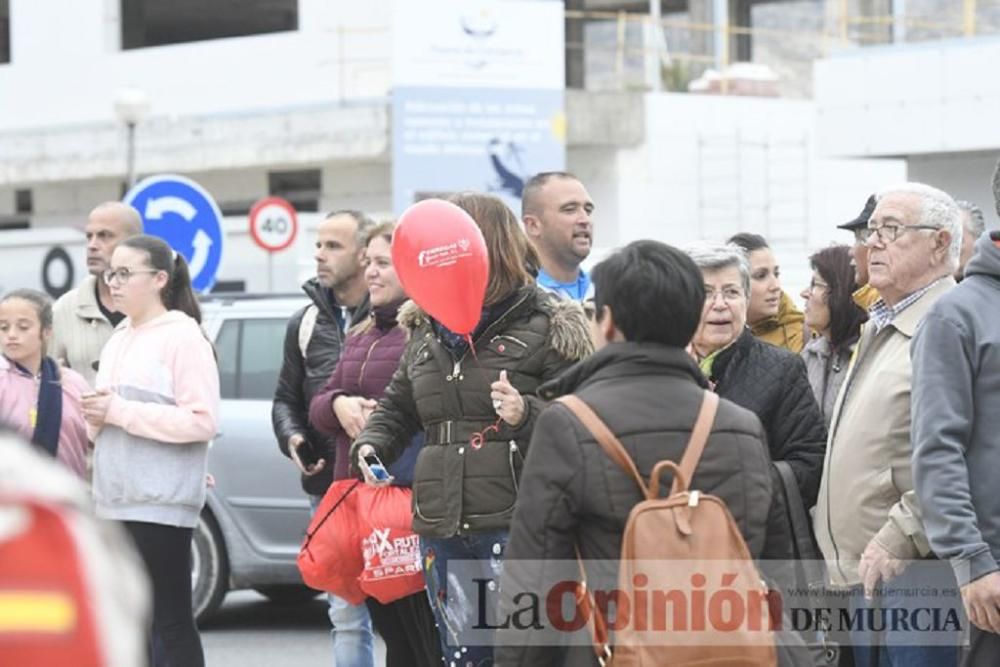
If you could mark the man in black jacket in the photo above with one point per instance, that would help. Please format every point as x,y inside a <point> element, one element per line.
<point>313,341</point>
<point>645,387</point>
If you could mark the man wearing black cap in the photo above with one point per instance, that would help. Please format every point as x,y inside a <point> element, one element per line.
<point>865,295</point>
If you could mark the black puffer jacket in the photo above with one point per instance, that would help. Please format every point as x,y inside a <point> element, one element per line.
<point>772,382</point>
<point>458,488</point>
<point>572,493</point>
<point>300,379</point>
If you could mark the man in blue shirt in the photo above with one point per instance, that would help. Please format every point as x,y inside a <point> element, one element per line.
<point>556,210</point>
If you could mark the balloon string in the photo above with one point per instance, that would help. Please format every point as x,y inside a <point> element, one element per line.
<point>478,439</point>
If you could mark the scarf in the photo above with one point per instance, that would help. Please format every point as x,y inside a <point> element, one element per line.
<point>456,343</point>
<point>47,417</point>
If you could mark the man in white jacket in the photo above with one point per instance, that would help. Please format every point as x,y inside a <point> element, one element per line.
<point>84,317</point>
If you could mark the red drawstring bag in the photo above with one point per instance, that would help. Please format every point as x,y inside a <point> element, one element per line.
<point>330,558</point>
<point>391,548</point>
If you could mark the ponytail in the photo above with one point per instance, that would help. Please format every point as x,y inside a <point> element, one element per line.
<point>177,294</point>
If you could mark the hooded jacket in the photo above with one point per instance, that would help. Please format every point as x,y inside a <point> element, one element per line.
<point>956,393</point>
<point>18,397</point>
<point>786,329</point>
<point>151,454</point>
<point>573,494</point>
<point>79,329</point>
<point>300,378</point>
<point>462,484</point>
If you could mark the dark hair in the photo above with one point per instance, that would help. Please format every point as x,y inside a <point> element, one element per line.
<point>655,291</point>
<point>846,317</point>
<point>177,294</point>
<point>749,242</point>
<point>510,254</point>
<point>40,300</point>
<point>529,195</point>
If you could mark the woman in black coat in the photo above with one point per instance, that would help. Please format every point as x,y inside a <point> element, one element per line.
<point>767,380</point>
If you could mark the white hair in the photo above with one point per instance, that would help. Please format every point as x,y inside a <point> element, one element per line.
<point>937,209</point>
<point>718,256</point>
<point>977,221</point>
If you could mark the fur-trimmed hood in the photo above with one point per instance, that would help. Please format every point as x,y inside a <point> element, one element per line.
<point>569,333</point>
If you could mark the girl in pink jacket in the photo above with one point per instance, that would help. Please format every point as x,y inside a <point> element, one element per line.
<point>39,399</point>
<point>153,414</point>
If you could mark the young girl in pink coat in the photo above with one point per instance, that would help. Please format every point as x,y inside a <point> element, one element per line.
<point>39,399</point>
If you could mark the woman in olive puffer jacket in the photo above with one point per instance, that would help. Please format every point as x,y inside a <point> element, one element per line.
<point>466,475</point>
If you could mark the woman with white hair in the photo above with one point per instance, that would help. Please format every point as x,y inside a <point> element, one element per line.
<point>767,380</point>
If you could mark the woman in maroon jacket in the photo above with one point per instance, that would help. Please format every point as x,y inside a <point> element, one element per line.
<point>367,363</point>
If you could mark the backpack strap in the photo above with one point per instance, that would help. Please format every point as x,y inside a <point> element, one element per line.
<point>306,326</point>
<point>699,437</point>
<point>605,438</point>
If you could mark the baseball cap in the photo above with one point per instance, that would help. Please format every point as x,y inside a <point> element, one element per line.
<point>861,221</point>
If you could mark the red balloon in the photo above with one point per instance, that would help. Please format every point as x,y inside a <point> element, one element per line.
<point>440,257</point>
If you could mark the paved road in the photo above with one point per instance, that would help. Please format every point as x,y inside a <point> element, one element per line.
<point>249,631</point>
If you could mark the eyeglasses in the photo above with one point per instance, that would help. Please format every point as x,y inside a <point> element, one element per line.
<point>123,274</point>
<point>729,294</point>
<point>813,286</point>
<point>889,233</point>
<point>590,309</point>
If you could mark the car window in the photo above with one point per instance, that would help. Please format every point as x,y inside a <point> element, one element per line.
<point>261,354</point>
<point>250,355</point>
<point>227,347</point>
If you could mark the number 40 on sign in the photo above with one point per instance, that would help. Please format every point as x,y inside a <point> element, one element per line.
<point>273,224</point>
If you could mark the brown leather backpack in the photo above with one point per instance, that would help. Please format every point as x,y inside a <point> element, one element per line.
<point>697,532</point>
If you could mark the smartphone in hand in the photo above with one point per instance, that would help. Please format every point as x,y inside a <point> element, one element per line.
<point>374,470</point>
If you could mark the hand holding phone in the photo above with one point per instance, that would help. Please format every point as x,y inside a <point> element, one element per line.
<point>374,472</point>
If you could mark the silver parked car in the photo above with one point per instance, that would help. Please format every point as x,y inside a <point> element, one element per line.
<point>256,513</point>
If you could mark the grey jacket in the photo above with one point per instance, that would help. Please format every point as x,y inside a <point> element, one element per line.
<point>826,370</point>
<point>956,391</point>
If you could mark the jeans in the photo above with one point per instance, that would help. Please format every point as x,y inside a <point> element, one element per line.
<point>453,599</point>
<point>353,641</point>
<point>892,642</point>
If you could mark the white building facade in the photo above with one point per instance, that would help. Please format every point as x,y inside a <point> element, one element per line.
<point>296,103</point>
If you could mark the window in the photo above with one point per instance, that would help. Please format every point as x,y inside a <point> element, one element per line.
<point>4,31</point>
<point>301,188</point>
<point>156,22</point>
<point>227,347</point>
<point>250,355</point>
<point>22,201</point>
<point>261,354</point>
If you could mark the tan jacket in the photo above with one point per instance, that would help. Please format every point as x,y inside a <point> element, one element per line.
<point>786,329</point>
<point>867,486</point>
<point>79,330</point>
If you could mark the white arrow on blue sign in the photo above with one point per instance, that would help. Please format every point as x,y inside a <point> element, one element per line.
<point>183,214</point>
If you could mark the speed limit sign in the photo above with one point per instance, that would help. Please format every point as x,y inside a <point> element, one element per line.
<point>273,224</point>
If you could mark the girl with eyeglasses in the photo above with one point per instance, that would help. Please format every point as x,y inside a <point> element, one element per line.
<point>151,418</point>
<point>39,399</point>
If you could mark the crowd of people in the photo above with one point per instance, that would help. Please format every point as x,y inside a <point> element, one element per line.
<point>875,397</point>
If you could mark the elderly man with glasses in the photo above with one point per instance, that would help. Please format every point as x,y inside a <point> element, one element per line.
<point>867,522</point>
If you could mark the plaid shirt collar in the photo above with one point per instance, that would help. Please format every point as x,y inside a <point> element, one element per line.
<point>882,314</point>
